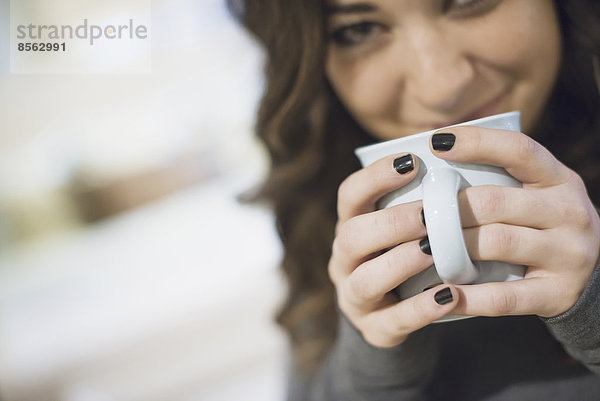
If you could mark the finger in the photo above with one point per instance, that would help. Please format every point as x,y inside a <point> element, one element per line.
<point>512,244</point>
<point>364,235</point>
<point>359,193</point>
<point>487,204</point>
<point>400,319</point>
<point>371,281</point>
<point>521,297</point>
<point>523,158</point>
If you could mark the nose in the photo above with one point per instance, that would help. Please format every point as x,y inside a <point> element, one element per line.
<point>438,70</point>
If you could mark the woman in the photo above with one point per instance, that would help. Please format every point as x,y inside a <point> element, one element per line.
<point>346,73</point>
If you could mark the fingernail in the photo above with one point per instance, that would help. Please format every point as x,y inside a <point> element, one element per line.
<point>443,142</point>
<point>423,217</point>
<point>424,245</point>
<point>404,164</point>
<point>444,296</point>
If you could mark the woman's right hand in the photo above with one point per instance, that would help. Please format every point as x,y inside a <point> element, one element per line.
<point>374,251</point>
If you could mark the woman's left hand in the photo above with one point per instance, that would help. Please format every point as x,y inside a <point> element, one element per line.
<point>550,225</point>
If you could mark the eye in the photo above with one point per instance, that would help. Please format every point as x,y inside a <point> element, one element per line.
<point>467,8</point>
<point>356,34</point>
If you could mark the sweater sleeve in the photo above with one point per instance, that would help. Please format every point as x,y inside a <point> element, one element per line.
<point>355,370</point>
<point>578,329</point>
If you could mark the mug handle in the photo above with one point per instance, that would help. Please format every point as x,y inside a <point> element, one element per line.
<point>440,206</point>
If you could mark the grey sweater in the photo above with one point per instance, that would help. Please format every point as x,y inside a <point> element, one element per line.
<point>506,358</point>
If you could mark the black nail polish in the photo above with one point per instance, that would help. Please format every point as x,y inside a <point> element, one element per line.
<point>444,296</point>
<point>423,217</point>
<point>424,245</point>
<point>443,141</point>
<point>404,164</point>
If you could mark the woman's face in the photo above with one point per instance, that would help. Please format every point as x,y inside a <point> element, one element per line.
<point>406,66</point>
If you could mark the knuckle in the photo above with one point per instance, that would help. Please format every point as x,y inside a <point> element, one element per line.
<point>337,245</point>
<point>390,322</point>
<point>344,241</point>
<point>581,255</point>
<point>359,287</point>
<point>573,206</point>
<point>577,215</point>
<point>527,148</point>
<point>575,180</point>
<point>404,320</point>
<point>499,241</point>
<point>397,221</point>
<point>396,326</point>
<point>344,190</point>
<point>344,194</point>
<point>332,273</point>
<point>503,302</point>
<point>391,263</point>
<point>488,201</point>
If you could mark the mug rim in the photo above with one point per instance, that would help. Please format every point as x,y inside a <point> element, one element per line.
<point>363,150</point>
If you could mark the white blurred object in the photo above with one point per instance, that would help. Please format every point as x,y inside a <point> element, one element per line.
<point>172,301</point>
<point>33,200</point>
<point>201,97</point>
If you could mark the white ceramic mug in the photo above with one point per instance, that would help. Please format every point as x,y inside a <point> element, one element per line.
<point>437,184</point>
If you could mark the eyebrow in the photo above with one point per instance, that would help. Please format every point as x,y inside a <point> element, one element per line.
<point>352,8</point>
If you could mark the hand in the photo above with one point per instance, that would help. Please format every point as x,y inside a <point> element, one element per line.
<point>549,225</point>
<point>365,270</point>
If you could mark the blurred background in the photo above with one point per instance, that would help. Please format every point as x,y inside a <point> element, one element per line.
<point>128,269</point>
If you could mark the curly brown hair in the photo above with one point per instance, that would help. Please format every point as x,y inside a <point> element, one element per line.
<point>310,138</point>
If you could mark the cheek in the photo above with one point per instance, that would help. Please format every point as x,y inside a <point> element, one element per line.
<point>365,84</point>
<point>529,49</point>
<point>526,54</point>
